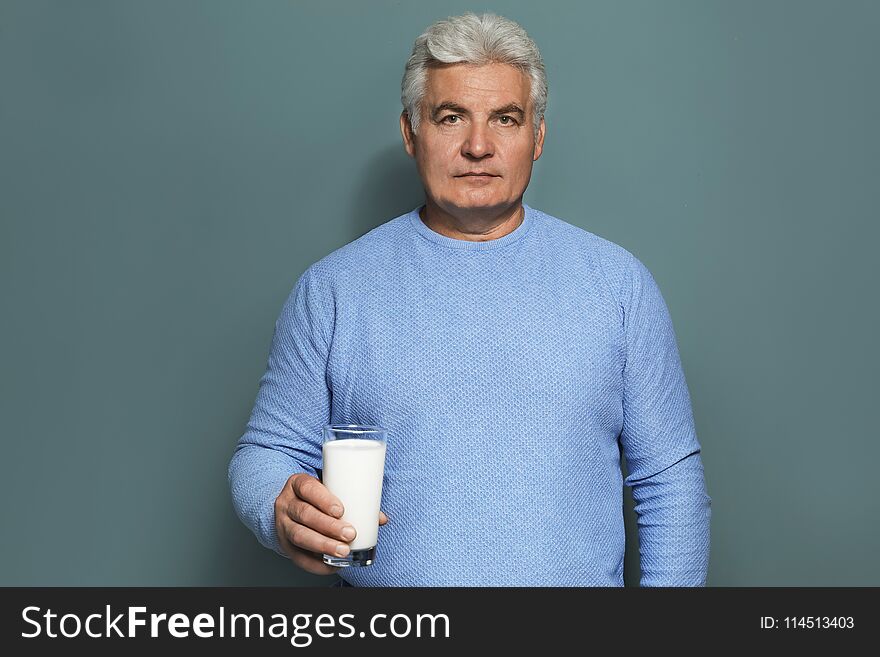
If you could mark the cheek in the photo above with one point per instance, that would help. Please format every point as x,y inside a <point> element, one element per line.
<point>439,162</point>
<point>524,161</point>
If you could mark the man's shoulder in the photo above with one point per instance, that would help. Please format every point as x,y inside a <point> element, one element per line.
<point>579,242</point>
<point>619,267</point>
<point>364,252</point>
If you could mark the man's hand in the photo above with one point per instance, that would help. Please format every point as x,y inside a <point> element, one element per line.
<point>307,521</point>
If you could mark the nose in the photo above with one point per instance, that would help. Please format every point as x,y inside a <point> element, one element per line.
<point>478,143</point>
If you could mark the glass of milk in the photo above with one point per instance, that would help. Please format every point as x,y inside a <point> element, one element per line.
<point>354,465</point>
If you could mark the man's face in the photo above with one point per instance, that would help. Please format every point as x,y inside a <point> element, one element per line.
<point>475,118</point>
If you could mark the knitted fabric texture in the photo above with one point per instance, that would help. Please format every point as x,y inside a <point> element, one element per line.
<point>510,374</point>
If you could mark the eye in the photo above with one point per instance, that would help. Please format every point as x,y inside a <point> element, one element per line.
<point>449,116</point>
<point>510,120</point>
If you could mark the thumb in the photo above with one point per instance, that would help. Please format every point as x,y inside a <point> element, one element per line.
<point>382,518</point>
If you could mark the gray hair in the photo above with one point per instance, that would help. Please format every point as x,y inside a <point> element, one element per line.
<point>476,40</point>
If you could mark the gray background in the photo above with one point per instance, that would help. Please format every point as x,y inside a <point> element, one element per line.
<point>168,170</point>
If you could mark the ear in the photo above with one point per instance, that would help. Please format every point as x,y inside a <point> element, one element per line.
<point>409,139</point>
<point>539,142</point>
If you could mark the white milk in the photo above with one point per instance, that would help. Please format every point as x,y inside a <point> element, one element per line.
<point>353,470</point>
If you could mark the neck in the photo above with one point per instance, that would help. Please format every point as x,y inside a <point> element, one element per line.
<point>478,225</point>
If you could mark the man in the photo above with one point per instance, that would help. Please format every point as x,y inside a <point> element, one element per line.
<point>511,356</point>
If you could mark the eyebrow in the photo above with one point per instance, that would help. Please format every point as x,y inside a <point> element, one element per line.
<point>510,108</point>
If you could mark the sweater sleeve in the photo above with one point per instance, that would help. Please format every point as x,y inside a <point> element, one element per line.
<point>659,440</point>
<point>283,434</point>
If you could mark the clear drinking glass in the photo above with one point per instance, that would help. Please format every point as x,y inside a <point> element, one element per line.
<point>353,468</point>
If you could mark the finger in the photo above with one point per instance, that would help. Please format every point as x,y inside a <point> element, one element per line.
<point>308,539</point>
<point>382,518</point>
<point>311,490</point>
<point>313,518</point>
<point>309,561</point>
<point>312,563</point>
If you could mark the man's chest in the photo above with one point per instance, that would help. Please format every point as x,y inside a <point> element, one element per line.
<point>477,350</point>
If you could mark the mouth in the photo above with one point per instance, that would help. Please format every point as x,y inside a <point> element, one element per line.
<point>477,175</point>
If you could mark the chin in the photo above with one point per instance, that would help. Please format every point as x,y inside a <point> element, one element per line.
<point>471,204</point>
<point>476,200</point>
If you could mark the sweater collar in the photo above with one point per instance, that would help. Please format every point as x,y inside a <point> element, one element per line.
<point>469,245</point>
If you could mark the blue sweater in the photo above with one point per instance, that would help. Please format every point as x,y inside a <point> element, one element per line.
<point>509,373</point>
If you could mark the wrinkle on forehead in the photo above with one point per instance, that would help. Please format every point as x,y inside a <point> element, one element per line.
<point>504,81</point>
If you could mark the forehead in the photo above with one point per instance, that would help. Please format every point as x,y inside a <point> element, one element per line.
<point>497,84</point>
